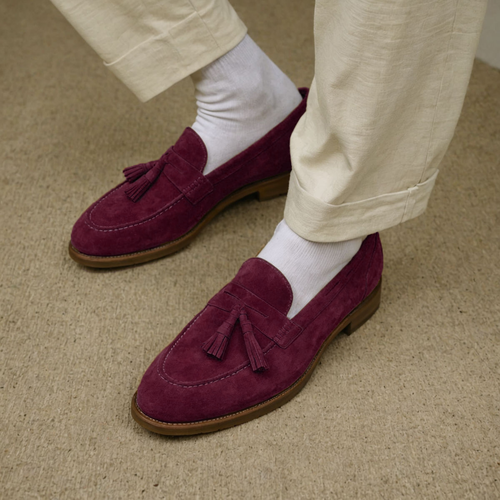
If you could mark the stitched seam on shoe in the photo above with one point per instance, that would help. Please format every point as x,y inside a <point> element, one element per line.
<point>216,380</point>
<point>197,182</point>
<point>280,274</point>
<point>245,367</point>
<point>179,339</point>
<point>101,200</point>
<point>201,217</point>
<point>331,300</point>
<point>181,196</point>
<point>223,417</point>
<point>204,383</point>
<point>137,223</point>
<point>193,185</point>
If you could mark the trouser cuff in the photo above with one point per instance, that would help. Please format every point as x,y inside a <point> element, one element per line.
<point>159,62</point>
<point>316,220</point>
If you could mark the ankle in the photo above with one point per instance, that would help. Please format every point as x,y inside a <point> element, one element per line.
<point>240,97</point>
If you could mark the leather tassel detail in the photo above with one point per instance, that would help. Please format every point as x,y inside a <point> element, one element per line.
<point>217,344</point>
<point>254,351</point>
<point>139,187</point>
<point>137,171</point>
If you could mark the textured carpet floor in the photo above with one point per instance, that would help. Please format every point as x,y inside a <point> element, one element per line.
<point>406,407</point>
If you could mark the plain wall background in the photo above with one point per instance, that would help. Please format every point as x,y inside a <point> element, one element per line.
<point>489,44</point>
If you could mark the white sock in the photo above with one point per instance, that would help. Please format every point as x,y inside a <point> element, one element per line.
<point>241,96</point>
<point>308,266</point>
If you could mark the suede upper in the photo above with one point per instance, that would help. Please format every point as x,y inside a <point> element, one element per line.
<point>178,195</point>
<point>184,384</point>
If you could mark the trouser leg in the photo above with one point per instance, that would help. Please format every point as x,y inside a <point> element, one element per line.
<point>390,80</point>
<point>152,44</point>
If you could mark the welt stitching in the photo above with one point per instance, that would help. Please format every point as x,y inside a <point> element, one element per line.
<point>223,417</point>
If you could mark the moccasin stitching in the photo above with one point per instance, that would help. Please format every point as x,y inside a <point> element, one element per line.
<point>188,386</point>
<point>137,223</point>
<point>215,380</point>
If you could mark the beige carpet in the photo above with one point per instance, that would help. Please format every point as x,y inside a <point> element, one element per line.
<point>406,407</point>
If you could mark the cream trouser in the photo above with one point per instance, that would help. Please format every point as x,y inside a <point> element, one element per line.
<point>390,80</point>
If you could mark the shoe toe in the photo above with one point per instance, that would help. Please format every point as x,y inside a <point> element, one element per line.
<point>167,401</point>
<point>90,240</point>
<point>115,225</point>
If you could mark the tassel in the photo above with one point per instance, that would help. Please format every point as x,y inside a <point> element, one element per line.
<point>254,351</point>
<point>217,344</point>
<point>138,188</point>
<point>137,171</point>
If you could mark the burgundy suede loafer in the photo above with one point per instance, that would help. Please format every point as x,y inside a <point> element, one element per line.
<point>241,357</point>
<point>164,204</point>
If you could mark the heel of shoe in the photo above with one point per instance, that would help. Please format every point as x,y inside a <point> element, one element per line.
<point>274,187</point>
<point>365,310</point>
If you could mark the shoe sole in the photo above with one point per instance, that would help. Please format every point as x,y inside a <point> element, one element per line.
<point>265,190</point>
<point>350,324</point>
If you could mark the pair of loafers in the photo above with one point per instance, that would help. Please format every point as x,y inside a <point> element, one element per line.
<point>241,356</point>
